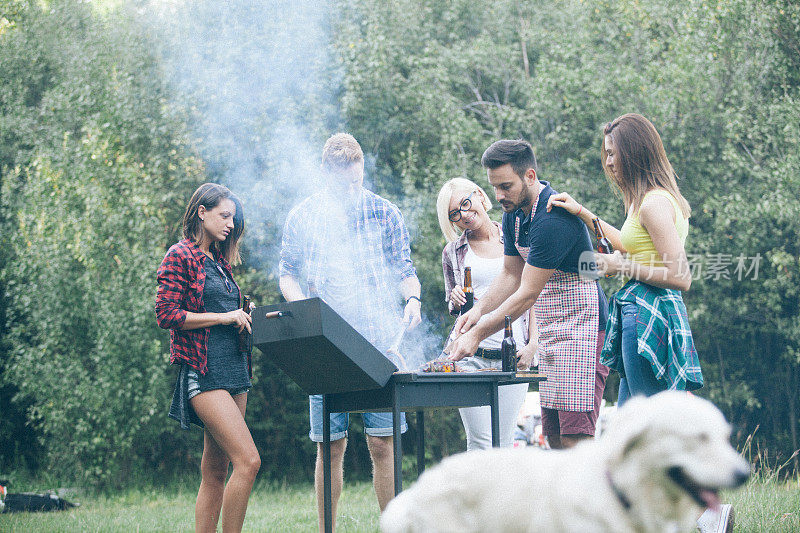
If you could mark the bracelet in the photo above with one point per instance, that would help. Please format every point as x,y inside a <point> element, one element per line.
<point>413,298</point>
<point>579,211</point>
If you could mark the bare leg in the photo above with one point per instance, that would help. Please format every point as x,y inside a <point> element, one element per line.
<point>381,451</point>
<point>214,470</point>
<point>223,416</point>
<point>337,477</point>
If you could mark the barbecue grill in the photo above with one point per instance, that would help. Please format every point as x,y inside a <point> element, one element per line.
<point>324,355</point>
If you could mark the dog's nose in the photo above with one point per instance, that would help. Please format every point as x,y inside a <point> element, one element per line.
<point>742,474</point>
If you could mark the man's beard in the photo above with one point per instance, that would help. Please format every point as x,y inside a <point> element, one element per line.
<point>524,201</point>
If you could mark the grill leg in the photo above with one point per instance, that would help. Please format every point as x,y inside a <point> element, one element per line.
<point>326,464</point>
<point>420,442</point>
<point>398,446</point>
<point>495,416</point>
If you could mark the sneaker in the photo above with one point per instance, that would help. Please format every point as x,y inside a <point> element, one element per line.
<point>720,521</point>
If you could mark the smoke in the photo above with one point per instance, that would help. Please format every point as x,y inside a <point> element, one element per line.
<point>261,85</point>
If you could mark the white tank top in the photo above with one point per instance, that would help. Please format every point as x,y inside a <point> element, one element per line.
<point>483,273</point>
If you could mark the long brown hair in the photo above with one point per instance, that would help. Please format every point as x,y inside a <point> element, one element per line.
<point>642,161</point>
<point>209,196</point>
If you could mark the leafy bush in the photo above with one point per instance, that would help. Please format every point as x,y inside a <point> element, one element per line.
<point>430,85</point>
<point>94,178</point>
<point>98,158</point>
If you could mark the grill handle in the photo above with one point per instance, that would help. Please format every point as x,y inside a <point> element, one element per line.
<point>278,314</point>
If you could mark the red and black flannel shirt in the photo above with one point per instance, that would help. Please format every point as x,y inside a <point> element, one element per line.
<point>181,278</point>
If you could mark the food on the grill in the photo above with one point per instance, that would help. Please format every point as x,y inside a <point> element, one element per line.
<point>441,365</point>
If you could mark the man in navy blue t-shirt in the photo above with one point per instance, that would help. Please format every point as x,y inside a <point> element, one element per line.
<point>541,270</point>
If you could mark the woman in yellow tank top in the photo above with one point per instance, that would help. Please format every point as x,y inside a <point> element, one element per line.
<point>648,339</point>
<point>655,230</point>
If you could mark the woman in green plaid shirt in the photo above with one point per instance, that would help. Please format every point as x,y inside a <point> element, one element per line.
<point>648,340</point>
<point>648,337</point>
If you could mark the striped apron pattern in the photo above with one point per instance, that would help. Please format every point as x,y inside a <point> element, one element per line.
<point>567,315</point>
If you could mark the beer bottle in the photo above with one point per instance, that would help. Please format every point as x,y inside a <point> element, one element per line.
<point>468,292</point>
<point>245,338</point>
<point>603,244</point>
<point>508,349</point>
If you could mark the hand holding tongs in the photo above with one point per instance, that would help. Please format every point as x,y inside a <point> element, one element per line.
<point>395,347</point>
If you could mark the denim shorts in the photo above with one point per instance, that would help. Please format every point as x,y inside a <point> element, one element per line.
<point>375,424</point>
<point>194,386</point>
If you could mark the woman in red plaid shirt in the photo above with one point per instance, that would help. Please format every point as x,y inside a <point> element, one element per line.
<point>198,301</point>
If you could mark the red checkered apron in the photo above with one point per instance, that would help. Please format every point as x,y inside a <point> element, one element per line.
<point>567,315</point>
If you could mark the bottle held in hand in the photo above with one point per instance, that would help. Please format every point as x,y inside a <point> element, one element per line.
<point>245,337</point>
<point>508,349</point>
<point>468,291</point>
<point>603,244</point>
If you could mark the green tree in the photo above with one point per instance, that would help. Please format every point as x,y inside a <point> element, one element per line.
<point>99,154</point>
<point>95,172</point>
<point>430,85</point>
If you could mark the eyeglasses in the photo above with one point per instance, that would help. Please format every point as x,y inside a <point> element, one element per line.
<point>465,205</point>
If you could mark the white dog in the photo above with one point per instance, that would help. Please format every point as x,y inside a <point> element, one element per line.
<point>660,463</point>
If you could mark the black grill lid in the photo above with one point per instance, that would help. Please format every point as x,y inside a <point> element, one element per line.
<point>318,349</point>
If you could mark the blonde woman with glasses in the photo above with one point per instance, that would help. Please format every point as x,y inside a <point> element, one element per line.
<point>475,241</point>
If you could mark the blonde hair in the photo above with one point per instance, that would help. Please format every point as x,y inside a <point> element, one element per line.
<point>340,151</point>
<point>642,160</point>
<point>456,186</point>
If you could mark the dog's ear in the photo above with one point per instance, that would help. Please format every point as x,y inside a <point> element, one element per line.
<point>632,443</point>
<point>629,427</point>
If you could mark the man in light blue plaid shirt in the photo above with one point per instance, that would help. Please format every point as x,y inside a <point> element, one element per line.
<point>351,248</point>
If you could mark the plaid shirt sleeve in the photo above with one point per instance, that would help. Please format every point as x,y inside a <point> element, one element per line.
<point>398,246</point>
<point>291,248</point>
<point>173,284</point>
<point>448,270</point>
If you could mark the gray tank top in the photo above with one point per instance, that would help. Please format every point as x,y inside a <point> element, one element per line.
<point>227,366</point>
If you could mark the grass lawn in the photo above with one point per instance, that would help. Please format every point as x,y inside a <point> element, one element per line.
<point>767,506</point>
<point>270,510</point>
<point>761,506</point>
